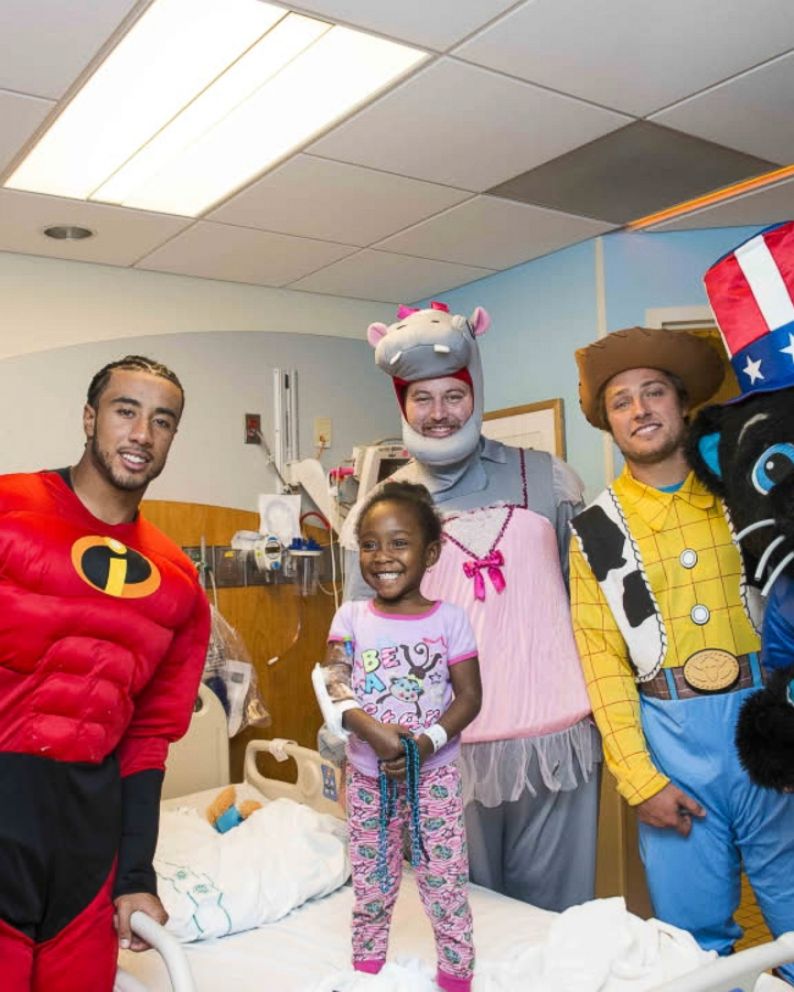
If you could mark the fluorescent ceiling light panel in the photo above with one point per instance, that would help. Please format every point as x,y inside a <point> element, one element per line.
<point>200,97</point>
<point>273,52</point>
<point>333,76</point>
<point>175,50</point>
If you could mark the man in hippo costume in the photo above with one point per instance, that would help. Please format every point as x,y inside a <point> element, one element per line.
<point>530,760</point>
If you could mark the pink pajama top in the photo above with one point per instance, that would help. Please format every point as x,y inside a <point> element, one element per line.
<point>400,669</point>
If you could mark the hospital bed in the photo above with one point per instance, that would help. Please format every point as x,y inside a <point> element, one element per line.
<point>306,948</point>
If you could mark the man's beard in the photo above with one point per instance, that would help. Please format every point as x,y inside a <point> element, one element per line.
<point>438,452</point>
<point>673,444</point>
<point>125,483</point>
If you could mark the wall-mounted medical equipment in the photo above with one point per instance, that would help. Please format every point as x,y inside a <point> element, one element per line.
<point>279,514</point>
<point>303,565</point>
<point>372,463</point>
<point>310,475</point>
<point>268,554</point>
<point>286,442</point>
<point>334,492</point>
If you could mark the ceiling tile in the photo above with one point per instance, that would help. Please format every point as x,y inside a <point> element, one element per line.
<point>239,254</point>
<point>764,206</point>
<point>121,236</point>
<point>466,127</point>
<point>21,115</point>
<point>318,198</point>
<point>449,22</point>
<point>493,233</point>
<point>46,44</point>
<point>753,112</point>
<point>378,275</point>
<point>632,172</point>
<point>636,56</point>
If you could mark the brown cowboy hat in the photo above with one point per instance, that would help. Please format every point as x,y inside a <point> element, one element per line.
<point>689,357</point>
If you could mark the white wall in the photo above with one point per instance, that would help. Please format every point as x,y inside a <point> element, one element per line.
<point>221,339</point>
<point>225,376</point>
<point>49,303</point>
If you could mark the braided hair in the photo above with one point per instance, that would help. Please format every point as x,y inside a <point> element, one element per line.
<point>132,363</point>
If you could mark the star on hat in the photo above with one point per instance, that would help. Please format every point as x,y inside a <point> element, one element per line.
<point>753,369</point>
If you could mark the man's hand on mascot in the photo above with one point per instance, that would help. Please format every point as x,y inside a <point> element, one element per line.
<point>129,904</point>
<point>670,809</point>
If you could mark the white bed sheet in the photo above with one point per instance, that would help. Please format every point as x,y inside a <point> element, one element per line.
<point>311,944</point>
<point>295,953</point>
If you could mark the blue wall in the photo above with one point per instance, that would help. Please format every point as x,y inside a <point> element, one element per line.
<point>541,312</point>
<point>644,271</point>
<point>545,309</point>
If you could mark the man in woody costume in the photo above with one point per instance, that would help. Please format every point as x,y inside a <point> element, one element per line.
<point>529,760</point>
<point>667,632</point>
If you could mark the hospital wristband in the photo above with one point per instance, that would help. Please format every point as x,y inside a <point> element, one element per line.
<point>344,705</point>
<point>436,735</point>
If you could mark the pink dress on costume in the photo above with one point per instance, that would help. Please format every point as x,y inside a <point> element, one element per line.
<point>525,642</point>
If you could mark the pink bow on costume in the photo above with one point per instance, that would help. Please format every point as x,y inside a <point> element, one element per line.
<point>493,562</point>
<point>404,311</point>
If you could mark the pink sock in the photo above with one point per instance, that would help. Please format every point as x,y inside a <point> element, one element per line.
<point>372,966</point>
<point>448,983</point>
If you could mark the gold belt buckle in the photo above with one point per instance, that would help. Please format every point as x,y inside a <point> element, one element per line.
<point>711,670</point>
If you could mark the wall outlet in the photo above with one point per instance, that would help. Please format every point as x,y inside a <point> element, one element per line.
<point>322,432</point>
<point>253,428</point>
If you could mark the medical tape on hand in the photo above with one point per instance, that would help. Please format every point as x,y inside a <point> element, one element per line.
<point>332,712</point>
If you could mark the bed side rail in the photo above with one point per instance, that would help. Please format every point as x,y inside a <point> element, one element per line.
<point>318,782</point>
<point>169,949</point>
<point>737,972</point>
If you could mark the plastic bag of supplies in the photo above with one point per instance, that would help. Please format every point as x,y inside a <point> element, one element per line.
<point>230,674</point>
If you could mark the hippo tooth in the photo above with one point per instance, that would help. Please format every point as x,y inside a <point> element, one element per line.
<point>442,349</point>
<point>395,357</point>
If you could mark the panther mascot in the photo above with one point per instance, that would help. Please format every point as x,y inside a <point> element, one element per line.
<point>744,452</point>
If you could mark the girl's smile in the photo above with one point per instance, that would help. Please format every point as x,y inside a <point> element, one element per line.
<point>394,556</point>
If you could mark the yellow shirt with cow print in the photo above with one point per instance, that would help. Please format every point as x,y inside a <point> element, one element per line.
<point>663,525</point>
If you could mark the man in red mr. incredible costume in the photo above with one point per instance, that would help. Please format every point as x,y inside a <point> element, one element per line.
<point>102,643</point>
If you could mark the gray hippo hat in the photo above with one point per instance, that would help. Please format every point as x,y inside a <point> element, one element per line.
<point>432,344</point>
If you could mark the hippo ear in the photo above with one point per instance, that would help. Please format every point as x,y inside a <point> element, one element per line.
<point>479,322</point>
<point>375,332</point>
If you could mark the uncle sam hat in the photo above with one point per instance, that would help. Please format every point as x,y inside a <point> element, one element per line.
<point>751,291</point>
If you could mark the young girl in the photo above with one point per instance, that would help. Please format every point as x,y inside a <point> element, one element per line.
<point>400,664</point>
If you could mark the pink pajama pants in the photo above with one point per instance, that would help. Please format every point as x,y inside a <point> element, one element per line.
<point>442,879</point>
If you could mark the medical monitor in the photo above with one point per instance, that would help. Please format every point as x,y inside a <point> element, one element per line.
<point>375,462</point>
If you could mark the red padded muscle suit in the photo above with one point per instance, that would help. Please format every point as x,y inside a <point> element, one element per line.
<point>103,634</point>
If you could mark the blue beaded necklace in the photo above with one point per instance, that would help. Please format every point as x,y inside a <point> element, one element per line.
<point>388,806</point>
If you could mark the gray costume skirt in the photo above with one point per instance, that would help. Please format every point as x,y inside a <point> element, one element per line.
<point>532,815</point>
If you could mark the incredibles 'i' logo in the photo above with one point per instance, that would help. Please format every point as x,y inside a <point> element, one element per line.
<point>111,567</point>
